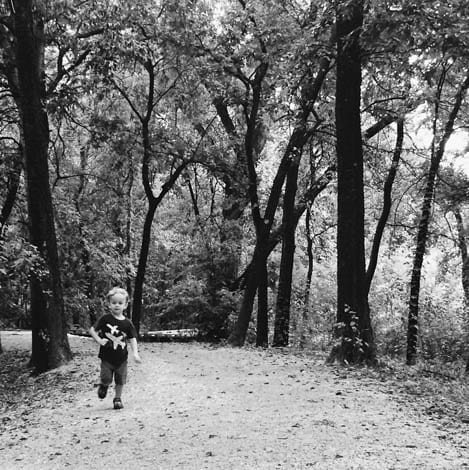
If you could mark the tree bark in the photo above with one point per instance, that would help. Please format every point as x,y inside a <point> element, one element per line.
<point>128,222</point>
<point>13,184</point>
<point>142,264</point>
<point>282,312</point>
<point>50,346</point>
<point>387,204</point>
<point>237,336</point>
<point>262,331</point>
<point>153,204</point>
<point>309,276</point>
<point>263,229</point>
<point>263,225</point>
<point>252,276</point>
<point>354,326</point>
<point>437,155</point>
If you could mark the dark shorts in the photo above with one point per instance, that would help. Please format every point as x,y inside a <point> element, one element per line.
<point>108,371</point>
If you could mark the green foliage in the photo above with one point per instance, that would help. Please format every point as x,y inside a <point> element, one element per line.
<point>441,339</point>
<point>348,343</point>
<point>187,279</point>
<point>98,62</point>
<point>18,260</point>
<point>187,306</point>
<point>443,318</point>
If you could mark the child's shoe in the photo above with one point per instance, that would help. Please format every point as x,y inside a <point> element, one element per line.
<point>118,404</point>
<point>102,391</point>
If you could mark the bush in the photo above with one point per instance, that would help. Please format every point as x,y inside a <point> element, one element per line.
<point>18,259</point>
<point>187,305</point>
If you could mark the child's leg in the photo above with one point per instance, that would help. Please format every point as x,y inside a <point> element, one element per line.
<point>118,391</point>
<point>106,378</point>
<point>120,378</point>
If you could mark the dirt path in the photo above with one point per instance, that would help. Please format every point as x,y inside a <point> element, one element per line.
<point>190,406</point>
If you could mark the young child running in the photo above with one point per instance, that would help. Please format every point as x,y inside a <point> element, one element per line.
<point>111,332</point>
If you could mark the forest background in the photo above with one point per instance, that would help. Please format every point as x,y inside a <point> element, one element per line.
<point>281,173</point>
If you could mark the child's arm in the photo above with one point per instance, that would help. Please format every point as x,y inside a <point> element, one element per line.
<point>134,346</point>
<point>97,338</point>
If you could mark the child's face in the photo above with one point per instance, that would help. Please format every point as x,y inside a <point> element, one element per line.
<point>117,304</point>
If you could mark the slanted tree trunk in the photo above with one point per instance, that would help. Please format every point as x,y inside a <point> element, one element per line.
<point>50,346</point>
<point>437,155</point>
<point>263,229</point>
<point>238,334</point>
<point>276,235</point>
<point>262,333</point>
<point>387,204</point>
<point>252,276</point>
<point>249,277</point>
<point>264,224</point>
<point>13,184</point>
<point>282,313</point>
<point>353,319</point>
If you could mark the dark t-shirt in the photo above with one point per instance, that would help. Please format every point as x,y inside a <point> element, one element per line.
<point>117,332</point>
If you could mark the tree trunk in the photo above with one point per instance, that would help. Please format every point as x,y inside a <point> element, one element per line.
<point>250,281</point>
<point>153,201</point>
<point>263,229</point>
<point>412,326</point>
<point>387,204</point>
<point>298,139</point>
<point>353,319</point>
<point>238,334</point>
<point>142,264</point>
<point>282,313</point>
<point>128,222</point>
<point>309,276</point>
<point>262,331</point>
<point>13,184</point>
<point>50,346</point>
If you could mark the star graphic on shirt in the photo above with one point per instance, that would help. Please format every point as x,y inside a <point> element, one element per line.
<point>117,341</point>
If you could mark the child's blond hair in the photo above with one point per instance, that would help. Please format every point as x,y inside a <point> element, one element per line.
<point>118,290</point>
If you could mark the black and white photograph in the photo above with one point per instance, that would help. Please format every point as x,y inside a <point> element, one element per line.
<point>234,234</point>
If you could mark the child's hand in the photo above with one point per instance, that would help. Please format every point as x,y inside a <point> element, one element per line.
<point>137,357</point>
<point>103,341</point>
